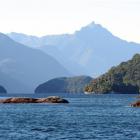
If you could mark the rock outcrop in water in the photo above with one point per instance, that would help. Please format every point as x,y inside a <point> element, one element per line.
<point>136,104</point>
<point>50,99</point>
<point>64,85</point>
<point>124,78</point>
<point>2,89</point>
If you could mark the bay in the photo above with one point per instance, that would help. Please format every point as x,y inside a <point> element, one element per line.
<point>89,117</point>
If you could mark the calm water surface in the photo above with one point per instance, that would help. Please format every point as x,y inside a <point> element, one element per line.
<point>98,117</point>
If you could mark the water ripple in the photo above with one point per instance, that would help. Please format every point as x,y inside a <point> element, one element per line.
<point>98,118</point>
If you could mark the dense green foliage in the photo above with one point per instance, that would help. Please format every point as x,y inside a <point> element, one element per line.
<point>124,78</point>
<point>2,90</point>
<point>64,85</point>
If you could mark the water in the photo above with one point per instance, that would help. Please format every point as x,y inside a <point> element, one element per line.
<point>98,117</point>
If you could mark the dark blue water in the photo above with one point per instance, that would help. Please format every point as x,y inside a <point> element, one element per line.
<point>98,117</point>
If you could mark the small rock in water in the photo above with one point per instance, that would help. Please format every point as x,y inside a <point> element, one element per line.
<point>52,99</point>
<point>136,104</point>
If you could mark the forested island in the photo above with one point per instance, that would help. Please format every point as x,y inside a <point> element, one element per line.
<point>124,78</point>
<point>64,85</point>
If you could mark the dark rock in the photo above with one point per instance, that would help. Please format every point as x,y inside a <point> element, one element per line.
<point>51,99</point>
<point>18,100</point>
<point>136,104</point>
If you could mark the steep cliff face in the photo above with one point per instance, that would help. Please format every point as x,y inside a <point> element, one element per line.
<point>124,78</point>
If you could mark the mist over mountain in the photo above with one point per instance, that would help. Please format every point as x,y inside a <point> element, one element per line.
<point>90,51</point>
<point>23,68</point>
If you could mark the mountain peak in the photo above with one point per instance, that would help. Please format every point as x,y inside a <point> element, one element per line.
<point>93,30</point>
<point>93,24</point>
<point>93,27</point>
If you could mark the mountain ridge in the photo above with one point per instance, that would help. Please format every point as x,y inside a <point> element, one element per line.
<point>96,48</point>
<point>26,65</point>
<point>64,85</point>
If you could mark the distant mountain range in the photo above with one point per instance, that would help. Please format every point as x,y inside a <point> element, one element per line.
<point>124,78</point>
<point>90,51</point>
<point>23,68</point>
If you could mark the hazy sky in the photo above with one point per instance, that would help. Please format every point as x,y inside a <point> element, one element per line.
<point>41,17</point>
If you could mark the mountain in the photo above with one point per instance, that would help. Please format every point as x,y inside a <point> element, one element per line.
<point>64,85</point>
<point>13,85</point>
<point>73,67</point>
<point>52,50</point>
<point>91,51</point>
<point>2,89</point>
<point>25,66</point>
<point>27,40</point>
<point>125,78</point>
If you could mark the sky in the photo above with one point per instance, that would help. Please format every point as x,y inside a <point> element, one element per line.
<point>43,17</point>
